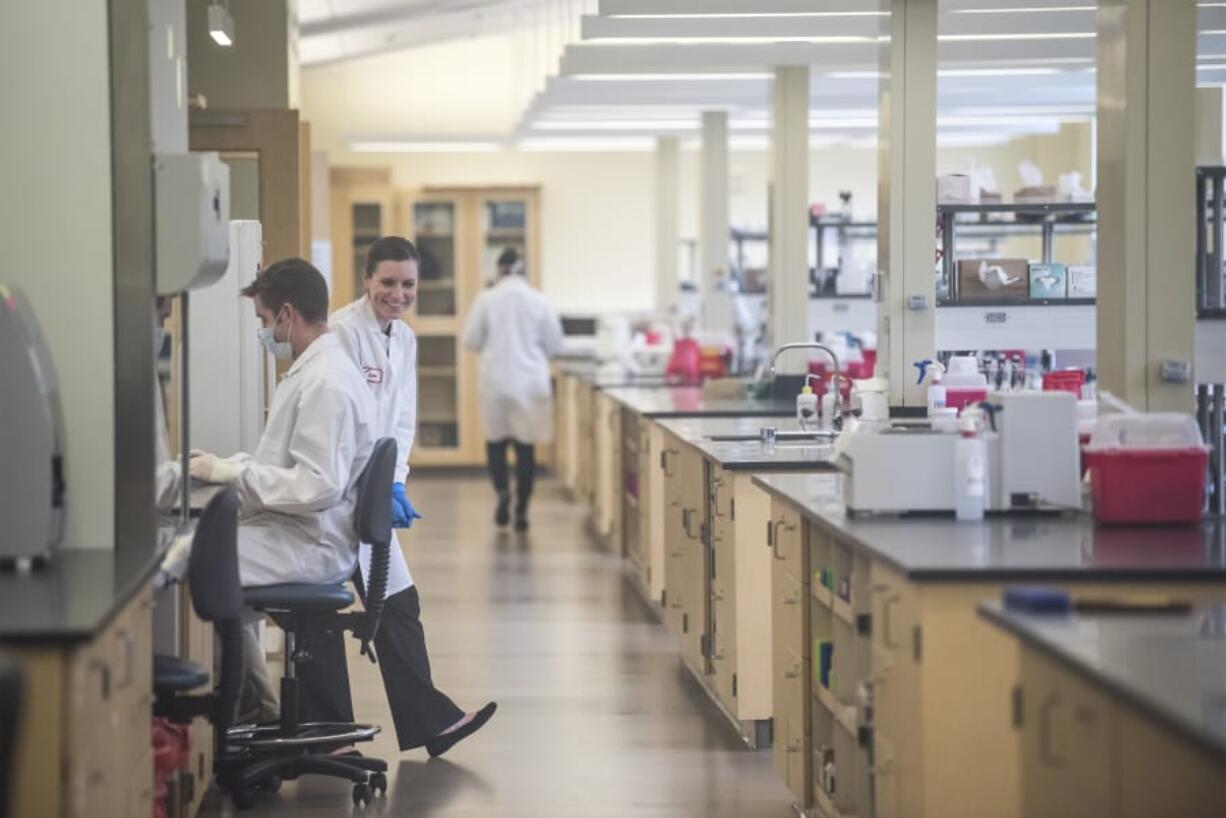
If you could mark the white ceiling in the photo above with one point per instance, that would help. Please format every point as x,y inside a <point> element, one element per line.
<point>636,70</point>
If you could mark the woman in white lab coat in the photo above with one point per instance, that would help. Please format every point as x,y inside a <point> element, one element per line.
<point>383,347</point>
<point>516,332</point>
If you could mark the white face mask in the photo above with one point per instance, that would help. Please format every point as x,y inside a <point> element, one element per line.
<point>277,349</point>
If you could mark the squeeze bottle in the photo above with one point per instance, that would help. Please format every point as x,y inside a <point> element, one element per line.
<point>970,467</point>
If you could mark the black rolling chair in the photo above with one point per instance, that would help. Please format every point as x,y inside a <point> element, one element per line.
<point>292,747</point>
<point>217,597</point>
<point>10,712</point>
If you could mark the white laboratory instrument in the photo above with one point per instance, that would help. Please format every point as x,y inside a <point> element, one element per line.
<point>1032,461</point>
<point>225,360</point>
<point>31,435</point>
<point>192,200</point>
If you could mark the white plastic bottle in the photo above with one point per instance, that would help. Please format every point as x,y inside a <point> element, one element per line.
<point>932,371</point>
<point>970,467</point>
<point>806,407</point>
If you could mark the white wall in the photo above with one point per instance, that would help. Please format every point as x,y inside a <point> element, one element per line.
<point>55,227</point>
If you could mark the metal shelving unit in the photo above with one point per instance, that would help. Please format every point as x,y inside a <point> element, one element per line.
<point>1211,322</point>
<point>1046,219</point>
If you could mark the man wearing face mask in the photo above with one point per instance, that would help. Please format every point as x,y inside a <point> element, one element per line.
<point>297,491</point>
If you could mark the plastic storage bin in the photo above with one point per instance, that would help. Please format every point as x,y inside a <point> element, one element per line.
<point>1065,380</point>
<point>1147,468</point>
<point>964,383</point>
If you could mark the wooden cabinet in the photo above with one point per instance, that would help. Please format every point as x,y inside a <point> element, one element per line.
<point>685,591</point>
<point>1086,752</point>
<point>790,588</point>
<point>84,746</point>
<point>607,458</point>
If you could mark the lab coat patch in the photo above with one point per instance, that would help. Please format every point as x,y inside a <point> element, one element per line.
<point>373,374</point>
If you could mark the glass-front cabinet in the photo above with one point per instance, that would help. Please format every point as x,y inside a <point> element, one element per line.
<point>434,226</point>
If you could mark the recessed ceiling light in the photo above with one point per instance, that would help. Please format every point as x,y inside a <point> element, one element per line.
<point>616,41</point>
<point>671,77</point>
<point>1025,10</point>
<point>221,25</point>
<point>424,146</point>
<point>729,15</point>
<point>1061,35</point>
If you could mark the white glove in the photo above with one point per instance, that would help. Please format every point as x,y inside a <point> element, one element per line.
<point>210,468</point>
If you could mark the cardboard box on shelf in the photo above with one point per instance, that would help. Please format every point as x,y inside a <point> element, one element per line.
<point>983,279</point>
<point>954,188</point>
<point>1048,281</point>
<point>1082,282</point>
<point>1043,194</point>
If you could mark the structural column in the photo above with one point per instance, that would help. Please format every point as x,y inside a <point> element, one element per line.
<point>668,228</point>
<point>1146,201</point>
<point>713,233</point>
<point>906,202</point>
<point>788,285</point>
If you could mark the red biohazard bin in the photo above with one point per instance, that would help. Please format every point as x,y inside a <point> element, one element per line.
<point>1147,468</point>
<point>1065,380</point>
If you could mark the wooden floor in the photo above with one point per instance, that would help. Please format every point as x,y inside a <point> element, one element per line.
<point>596,717</point>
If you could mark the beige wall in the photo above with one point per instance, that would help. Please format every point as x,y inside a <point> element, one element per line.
<point>55,228</point>
<point>255,72</point>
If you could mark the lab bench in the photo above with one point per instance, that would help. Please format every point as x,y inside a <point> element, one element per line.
<point>1120,714</point>
<point>80,630</point>
<point>618,416</point>
<point>891,696</point>
<point>716,588</point>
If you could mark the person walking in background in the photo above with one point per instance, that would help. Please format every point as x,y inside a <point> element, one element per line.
<point>516,332</point>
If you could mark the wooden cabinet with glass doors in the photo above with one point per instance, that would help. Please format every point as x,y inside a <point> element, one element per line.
<point>460,232</point>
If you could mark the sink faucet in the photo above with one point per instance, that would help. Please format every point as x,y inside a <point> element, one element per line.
<point>835,422</point>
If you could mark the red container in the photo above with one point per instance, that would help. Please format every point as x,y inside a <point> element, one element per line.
<point>1148,485</point>
<point>1065,380</point>
<point>957,397</point>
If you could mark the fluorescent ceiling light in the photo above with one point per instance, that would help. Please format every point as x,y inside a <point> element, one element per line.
<point>411,146</point>
<point>616,41</point>
<point>728,15</point>
<point>667,77</point>
<point>1059,35</point>
<point>616,125</point>
<point>221,25</point>
<point>567,145</point>
<point>1026,10</point>
<point>1211,68</point>
<point>953,72</point>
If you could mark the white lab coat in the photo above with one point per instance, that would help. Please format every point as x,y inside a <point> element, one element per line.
<point>390,370</point>
<point>297,491</point>
<point>516,332</point>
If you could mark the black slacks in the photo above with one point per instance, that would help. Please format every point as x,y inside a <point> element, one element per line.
<point>420,711</point>
<point>525,469</point>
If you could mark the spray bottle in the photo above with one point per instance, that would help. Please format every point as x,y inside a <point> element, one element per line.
<point>806,404</point>
<point>936,391</point>
<point>970,466</point>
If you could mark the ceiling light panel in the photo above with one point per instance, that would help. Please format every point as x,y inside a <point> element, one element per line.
<point>696,8</point>
<point>783,28</point>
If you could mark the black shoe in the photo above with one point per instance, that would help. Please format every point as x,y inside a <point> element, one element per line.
<point>502,514</point>
<point>521,523</point>
<point>441,744</point>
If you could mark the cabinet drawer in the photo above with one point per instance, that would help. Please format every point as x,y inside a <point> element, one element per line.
<point>788,618</point>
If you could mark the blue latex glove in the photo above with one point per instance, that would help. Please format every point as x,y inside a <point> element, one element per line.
<point>403,513</point>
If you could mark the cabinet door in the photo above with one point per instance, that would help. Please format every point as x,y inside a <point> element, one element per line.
<point>438,393</point>
<point>369,216</point>
<point>1067,744</point>
<point>897,699</point>
<point>436,231</point>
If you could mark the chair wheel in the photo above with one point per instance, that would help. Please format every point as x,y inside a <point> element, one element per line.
<point>243,796</point>
<point>270,784</point>
<point>361,794</point>
<point>378,783</point>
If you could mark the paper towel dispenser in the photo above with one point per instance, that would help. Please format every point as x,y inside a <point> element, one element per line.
<point>192,220</point>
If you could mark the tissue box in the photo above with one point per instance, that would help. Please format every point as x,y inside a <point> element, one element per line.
<point>1082,282</point>
<point>1007,278</point>
<point>954,188</point>
<point>1048,281</point>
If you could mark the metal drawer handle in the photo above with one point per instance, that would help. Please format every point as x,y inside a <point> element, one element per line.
<point>887,627</point>
<point>1046,751</point>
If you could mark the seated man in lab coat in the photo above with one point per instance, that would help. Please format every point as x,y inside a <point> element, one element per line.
<point>297,490</point>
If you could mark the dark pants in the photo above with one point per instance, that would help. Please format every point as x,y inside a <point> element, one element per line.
<point>525,470</point>
<point>419,710</point>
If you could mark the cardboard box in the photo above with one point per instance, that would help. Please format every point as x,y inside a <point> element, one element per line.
<point>1082,282</point>
<point>954,188</point>
<point>1048,281</point>
<point>1003,278</point>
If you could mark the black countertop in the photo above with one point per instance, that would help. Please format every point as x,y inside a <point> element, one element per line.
<point>750,455</point>
<point>74,597</point>
<point>1170,666</point>
<point>688,401</point>
<point>1011,548</point>
<point>607,376</point>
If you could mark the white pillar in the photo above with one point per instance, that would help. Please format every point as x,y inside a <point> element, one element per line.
<point>713,232</point>
<point>906,202</point>
<point>1146,199</point>
<point>668,222</point>
<point>788,283</point>
<point>1209,125</point>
